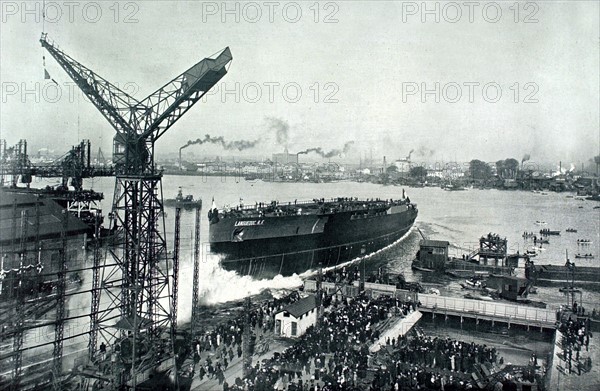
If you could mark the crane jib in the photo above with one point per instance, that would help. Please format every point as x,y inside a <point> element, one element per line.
<point>143,122</point>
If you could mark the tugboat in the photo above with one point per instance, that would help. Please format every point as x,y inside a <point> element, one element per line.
<point>186,202</point>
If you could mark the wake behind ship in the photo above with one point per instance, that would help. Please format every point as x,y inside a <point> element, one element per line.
<point>265,240</point>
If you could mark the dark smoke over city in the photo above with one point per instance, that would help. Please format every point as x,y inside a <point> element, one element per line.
<point>423,151</point>
<point>332,153</point>
<point>240,145</point>
<point>525,158</point>
<point>281,129</point>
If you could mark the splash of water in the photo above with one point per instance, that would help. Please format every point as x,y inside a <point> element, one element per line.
<point>218,285</point>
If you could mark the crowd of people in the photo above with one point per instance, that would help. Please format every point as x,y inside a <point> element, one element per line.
<point>334,354</point>
<point>575,337</point>
<point>431,363</point>
<point>224,342</point>
<point>447,354</point>
<point>331,356</point>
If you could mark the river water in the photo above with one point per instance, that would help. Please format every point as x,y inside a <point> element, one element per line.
<point>460,217</point>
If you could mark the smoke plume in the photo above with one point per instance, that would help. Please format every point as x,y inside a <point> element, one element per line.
<point>410,153</point>
<point>525,158</point>
<point>240,145</point>
<point>332,153</point>
<point>281,129</point>
<point>425,152</point>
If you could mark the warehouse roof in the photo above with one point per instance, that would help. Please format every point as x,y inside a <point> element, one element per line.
<point>302,306</point>
<point>12,207</point>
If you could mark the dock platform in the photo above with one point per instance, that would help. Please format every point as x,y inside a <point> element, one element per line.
<point>400,328</point>
<point>488,310</point>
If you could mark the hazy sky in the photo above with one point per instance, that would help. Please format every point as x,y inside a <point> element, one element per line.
<point>359,66</point>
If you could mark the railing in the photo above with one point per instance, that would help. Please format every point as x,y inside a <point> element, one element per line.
<point>313,202</point>
<point>500,310</point>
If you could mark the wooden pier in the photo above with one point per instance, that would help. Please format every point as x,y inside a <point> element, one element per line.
<point>436,305</point>
<point>487,310</point>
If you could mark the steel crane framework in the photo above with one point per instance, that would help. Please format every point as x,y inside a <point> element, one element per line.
<point>139,292</point>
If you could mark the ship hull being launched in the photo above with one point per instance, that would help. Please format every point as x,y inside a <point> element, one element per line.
<point>269,240</point>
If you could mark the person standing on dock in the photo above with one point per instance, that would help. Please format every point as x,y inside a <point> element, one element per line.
<point>103,351</point>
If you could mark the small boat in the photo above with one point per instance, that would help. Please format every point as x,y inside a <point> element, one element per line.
<point>569,289</point>
<point>421,269</point>
<point>571,230</point>
<point>541,222</point>
<point>473,283</point>
<point>532,303</point>
<point>417,265</point>
<point>584,256</point>
<point>453,187</point>
<point>478,297</point>
<point>181,201</point>
<point>546,231</point>
<point>541,241</point>
<point>533,290</point>
<point>584,241</point>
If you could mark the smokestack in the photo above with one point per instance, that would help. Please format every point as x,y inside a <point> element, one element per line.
<point>560,168</point>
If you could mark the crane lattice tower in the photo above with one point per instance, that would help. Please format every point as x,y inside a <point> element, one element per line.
<point>137,316</point>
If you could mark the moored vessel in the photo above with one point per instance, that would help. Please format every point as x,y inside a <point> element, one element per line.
<point>181,201</point>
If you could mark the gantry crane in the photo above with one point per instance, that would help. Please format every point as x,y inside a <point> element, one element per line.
<point>74,165</point>
<point>138,317</point>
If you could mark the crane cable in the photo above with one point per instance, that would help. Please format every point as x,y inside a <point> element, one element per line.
<point>46,74</point>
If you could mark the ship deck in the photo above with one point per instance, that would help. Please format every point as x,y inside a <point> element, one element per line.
<point>313,207</point>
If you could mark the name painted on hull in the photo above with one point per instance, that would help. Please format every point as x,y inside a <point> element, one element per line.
<point>248,223</point>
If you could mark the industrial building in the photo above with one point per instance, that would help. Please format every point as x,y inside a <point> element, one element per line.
<point>293,320</point>
<point>285,158</point>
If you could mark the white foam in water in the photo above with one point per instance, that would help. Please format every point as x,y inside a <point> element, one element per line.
<point>218,285</point>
